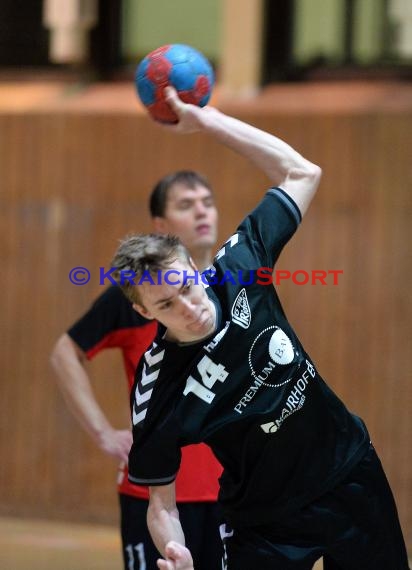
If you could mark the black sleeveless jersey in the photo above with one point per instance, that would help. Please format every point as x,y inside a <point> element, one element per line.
<point>249,391</point>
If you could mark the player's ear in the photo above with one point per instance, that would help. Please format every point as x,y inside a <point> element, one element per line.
<point>160,225</point>
<point>142,311</point>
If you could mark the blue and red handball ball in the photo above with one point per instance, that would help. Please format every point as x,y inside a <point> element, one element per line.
<point>181,66</point>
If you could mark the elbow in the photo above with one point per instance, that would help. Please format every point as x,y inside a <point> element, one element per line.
<point>159,513</point>
<point>311,176</point>
<point>54,357</point>
<point>318,173</point>
<point>63,353</point>
<point>314,175</point>
<point>307,176</point>
<point>162,502</point>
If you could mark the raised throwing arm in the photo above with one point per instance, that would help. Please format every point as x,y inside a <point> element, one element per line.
<point>283,165</point>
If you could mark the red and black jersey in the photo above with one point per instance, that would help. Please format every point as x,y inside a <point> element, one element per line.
<point>249,391</point>
<point>111,322</point>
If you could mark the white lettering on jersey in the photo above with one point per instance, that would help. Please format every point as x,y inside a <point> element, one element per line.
<point>210,373</point>
<point>294,402</point>
<point>216,339</point>
<point>280,348</point>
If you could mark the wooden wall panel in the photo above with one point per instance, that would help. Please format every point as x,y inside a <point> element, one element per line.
<point>72,183</point>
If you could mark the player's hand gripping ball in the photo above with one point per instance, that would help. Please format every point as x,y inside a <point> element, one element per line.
<point>181,66</point>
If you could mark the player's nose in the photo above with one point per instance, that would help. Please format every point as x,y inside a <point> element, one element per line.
<point>187,308</point>
<point>200,209</point>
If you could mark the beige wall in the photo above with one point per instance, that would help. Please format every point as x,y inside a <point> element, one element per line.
<point>149,24</point>
<point>319,29</point>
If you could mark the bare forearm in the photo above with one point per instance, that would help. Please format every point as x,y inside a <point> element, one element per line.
<point>283,165</point>
<point>74,383</point>
<point>268,152</point>
<point>164,526</point>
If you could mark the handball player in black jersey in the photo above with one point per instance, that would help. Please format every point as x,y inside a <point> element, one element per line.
<point>301,478</point>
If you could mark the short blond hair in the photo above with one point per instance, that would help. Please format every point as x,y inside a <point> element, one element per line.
<point>139,254</point>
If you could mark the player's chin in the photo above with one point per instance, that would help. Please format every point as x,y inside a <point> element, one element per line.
<point>206,239</point>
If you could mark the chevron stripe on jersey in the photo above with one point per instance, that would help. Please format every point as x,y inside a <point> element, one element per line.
<point>144,387</point>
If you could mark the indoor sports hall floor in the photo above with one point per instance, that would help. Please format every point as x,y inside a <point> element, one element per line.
<point>40,545</point>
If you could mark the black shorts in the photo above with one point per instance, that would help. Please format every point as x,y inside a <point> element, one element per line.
<point>354,527</point>
<point>200,523</point>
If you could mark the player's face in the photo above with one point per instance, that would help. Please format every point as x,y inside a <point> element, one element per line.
<point>183,307</point>
<point>191,215</point>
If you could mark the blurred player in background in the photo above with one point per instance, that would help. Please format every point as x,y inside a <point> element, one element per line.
<point>181,204</point>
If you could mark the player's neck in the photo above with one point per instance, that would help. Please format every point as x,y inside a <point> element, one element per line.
<point>202,258</point>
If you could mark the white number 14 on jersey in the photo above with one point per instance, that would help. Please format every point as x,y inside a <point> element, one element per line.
<point>210,373</point>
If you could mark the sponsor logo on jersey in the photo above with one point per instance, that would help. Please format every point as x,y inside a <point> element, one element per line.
<point>241,314</point>
<point>216,339</point>
<point>281,352</point>
<point>280,348</point>
<point>295,400</point>
<point>272,347</point>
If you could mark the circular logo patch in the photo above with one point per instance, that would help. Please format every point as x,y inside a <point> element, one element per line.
<point>280,348</point>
